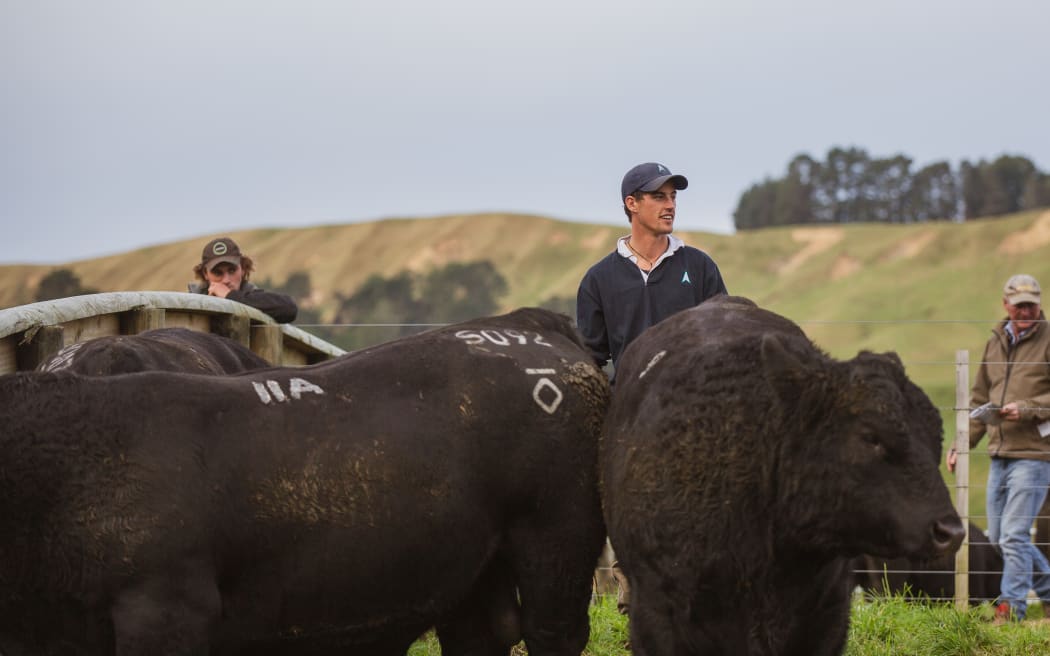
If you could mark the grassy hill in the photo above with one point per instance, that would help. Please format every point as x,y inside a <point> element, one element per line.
<point>924,291</point>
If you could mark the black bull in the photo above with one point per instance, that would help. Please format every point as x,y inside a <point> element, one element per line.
<point>339,508</point>
<point>742,467</point>
<point>162,349</point>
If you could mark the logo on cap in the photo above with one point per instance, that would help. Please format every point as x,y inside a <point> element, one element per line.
<point>219,248</point>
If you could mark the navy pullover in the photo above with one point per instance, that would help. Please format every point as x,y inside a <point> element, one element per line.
<point>615,304</point>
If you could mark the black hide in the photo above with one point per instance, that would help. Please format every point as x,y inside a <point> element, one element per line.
<point>743,468</point>
<point>163,349</point>
<point>340,508</point>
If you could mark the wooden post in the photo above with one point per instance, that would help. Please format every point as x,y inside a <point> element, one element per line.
<point>138,321</point>
<point>237,328</point>
<point>962,475</point>
<point>38,346</point>
<point>268,342</point>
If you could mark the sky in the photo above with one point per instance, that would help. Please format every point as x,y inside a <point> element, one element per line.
<point>127,123</point>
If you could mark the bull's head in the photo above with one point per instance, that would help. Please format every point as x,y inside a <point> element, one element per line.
<point>859,464</point>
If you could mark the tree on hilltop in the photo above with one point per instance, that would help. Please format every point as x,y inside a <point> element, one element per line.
<point>61,283</point>
<point>850,186</point>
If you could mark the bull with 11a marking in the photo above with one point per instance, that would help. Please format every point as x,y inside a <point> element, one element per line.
<point>447,479</point>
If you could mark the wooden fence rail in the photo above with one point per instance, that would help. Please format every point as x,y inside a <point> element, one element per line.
<point>33,333</point>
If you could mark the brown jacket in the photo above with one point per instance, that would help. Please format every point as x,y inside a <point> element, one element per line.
<point>1019,373</point>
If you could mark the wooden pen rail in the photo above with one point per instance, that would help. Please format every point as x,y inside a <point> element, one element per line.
<point>33,333</point>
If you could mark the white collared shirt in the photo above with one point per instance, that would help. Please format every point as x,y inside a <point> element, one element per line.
<point>673,244</point>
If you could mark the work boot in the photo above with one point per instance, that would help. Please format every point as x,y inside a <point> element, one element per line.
<point>1003,614</point>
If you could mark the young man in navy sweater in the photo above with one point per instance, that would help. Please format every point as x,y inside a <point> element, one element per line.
<point>651,275</point>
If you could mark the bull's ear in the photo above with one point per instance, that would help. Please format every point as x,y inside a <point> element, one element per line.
<point>888,356</point>
<point>894,358</point>
<point>783,370</point>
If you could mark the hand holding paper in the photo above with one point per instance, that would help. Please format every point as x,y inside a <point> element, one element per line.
<point>987,413</point>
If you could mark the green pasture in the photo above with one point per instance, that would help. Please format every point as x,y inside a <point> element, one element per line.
<point>883,627</point>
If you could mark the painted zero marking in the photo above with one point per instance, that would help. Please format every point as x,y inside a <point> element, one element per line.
<point>550,407</point>
<point>545,383</point>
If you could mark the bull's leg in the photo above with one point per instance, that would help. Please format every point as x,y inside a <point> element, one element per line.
<point>488,622</point>
<point>663,618</point>
<point>672,613</point>
<point>828,609</point>
<point>651,627</point>
<point>167,615</point>
<point>623,589</point>
<point>554,560</point>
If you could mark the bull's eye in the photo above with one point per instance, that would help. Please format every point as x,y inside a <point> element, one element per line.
<point>872,440</point>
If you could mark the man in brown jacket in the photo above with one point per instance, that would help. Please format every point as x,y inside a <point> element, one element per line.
<point>1013,386</point>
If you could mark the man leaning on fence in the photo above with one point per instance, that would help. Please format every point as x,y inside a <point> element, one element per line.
<point>1013,381</point>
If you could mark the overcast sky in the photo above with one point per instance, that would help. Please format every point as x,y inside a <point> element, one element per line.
<point>125,123</point>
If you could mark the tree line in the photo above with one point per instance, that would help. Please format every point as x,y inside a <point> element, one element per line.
<point>850,186</point>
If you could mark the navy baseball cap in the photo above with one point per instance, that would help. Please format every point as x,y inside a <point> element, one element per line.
<point>649,177</point>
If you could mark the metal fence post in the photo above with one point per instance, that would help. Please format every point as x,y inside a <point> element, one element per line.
<point>962,475</point>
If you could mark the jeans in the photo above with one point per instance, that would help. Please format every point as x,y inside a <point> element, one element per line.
<point>1016,490</point>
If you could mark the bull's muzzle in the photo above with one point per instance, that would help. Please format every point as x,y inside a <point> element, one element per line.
<point>947,534</point>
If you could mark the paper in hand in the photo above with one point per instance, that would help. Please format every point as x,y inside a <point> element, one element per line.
<point>987,413</point>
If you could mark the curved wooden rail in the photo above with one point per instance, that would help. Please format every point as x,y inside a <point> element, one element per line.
<point>31,334</point>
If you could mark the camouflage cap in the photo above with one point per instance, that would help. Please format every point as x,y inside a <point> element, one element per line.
<point>1022,288</point>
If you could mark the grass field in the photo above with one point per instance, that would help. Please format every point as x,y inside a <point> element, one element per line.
<point>887,627</point>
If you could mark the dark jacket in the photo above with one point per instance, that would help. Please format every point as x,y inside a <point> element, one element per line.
<point>279,306</point>
<point>614,304</point>
<point>1015,373</point>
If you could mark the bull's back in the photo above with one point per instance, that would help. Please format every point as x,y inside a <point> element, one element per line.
<point>162,349</point>
<point>703,332</point>
<point>456,427</point>
<point>472,399</point>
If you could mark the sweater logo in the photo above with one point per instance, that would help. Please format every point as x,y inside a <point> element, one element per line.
<point>685,279</point>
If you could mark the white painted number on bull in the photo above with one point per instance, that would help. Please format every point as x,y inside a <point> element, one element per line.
<point>63,358</point>
<point>275,389</point>
<point>542,384</point>
<point>503,337</point>
<point>271,391</point>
